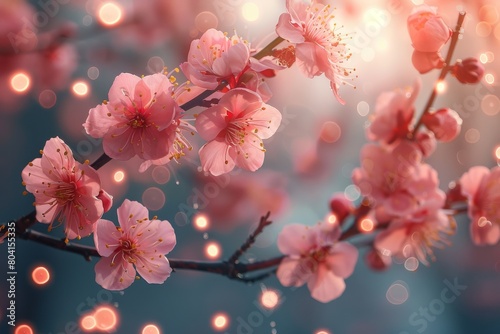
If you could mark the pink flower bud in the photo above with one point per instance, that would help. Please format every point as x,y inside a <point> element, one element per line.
<point>428,31</point>
<point>341,206</point>
<point>377,261</point>
<point>468,71</point>
<point>445,123</point>
<point>426,61</point>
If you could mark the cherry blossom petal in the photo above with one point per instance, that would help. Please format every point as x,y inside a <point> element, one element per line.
<point>162,236</point>
<point>114,276</point>
<point>293,272</point>
<point>342,259</point>
<point>99,121</point>
<point>484,233</point>
<point>307,60</point>
<point>251,154</point>
<point>130,212</point>
<point>106,237</point>
<point>470,181</point>
<point>123,88</point>
<point>216,157</point>
<point>296,239</point>
<point>211,122</point>
<point>156,272</point>
<point>325,286</point>
<point>285,29</point>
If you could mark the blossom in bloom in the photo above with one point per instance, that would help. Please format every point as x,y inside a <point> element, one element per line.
<point>137,244</point>
<point>445,123</point>
<point>427,29</point>
<point>139,119</point>
<point>65,190</point>
<point>234,129</point>
<point>314,255</point>
<point>481,186</point>
<point>318,48</point>
<point>393,115</point>
<point>415,235</point>
<point>214,58</point>
<point>394,178</point>
<point>426,61</point>
<point>469,70</point>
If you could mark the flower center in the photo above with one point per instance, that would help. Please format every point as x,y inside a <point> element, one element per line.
<point>138,121</point>
<point>127,246</point>
<point>320,255</point>
<point>65,193</point>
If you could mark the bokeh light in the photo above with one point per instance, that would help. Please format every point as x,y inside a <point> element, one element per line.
<point>20,82</point>
<point>119,176</point>
<point>93,73</point>
<point>80,88</point>
<point>411,263</point>
<point>88,322</point>
<point>106,318</point>
<point>47,99</point>
<point>206,20</point>
<point>472,136</point>
<point>483,29</point>
<point>332,219</point>
<point>322,331</point>
<point>23,329</point>
<point>441,87</point>
<point>363,108</point>
<point>330,132</point>
<point>250,11</point>
<point>269,299</point>
<point>110,13</point>
<point>397,293</point>
<point>40,275</point>
<point>366,225</point>
<point>220,321</point>
<point>150,329</point>
<point>160,174</point>
<point>212,250</point>
<point>153,198</point>
<point>489,78</point>
<point>497,152</point>
<point>201,222</point>
<point>490,104</point>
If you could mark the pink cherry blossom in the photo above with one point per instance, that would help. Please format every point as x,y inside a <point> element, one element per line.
<point>427,29</point>
<point>481,186</point>
<point>393,115</point>
<point>214,58</point>
<point>314,255</point>
<point>137,244</point>
<point>234,129</point>
<point>140,117</point>
<point>65,190</point>
<point>444,123</point>
<point>319,49</point>
<point>415,235</point>
<point>394,178</point>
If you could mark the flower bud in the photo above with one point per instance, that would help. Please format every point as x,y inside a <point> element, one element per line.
<point>468,71</point>
<point>445,123</point>
<point>427,29</point>
<point>341,206</point>
<point>426,142</point>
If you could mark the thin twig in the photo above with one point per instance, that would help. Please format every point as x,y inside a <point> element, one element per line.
<point>251,239</point>
<point>444,70</point>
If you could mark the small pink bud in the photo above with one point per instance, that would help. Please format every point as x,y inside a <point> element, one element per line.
<point>468,71</point>
<point>445,123</point>
<point>377,261</point>
<point>341,206</point>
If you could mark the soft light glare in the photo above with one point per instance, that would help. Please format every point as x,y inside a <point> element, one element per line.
<point>110,13</point>
<point>201,222</point>
<point>322,332</point>
<point>88,323</point>
<point>269,299</point>
<point>106,318</point>
<point>397,293</point>
<point>80,88</point>
<point>441,87</point>
<point>330,132</point>
<point>212,250</point>
<point>366,225</point>
<point>150,329</point>
<point>497,152</point>
<point>489,78</point>
<point>40,275</point>
<point>332,219</point>
<point>483,58</point>
<point>220,321</point>
<point>250,11</point>
<point>23,329</point>
<point>20,82</point>
<point>119,176</point>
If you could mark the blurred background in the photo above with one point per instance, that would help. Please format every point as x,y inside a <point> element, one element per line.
<point>58,59</point>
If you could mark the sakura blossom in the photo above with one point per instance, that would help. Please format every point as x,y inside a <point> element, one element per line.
<point>393,115</point>
<point>214,58</point>
<point>428,30</point>
<point>416,234</point>
<point>481,186</point>
<point>137,245</point>
<point>316,257</point>
<point>65,190</point>
<point>140,118</point>
<point>234,129</point>
<point>319,48</point>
